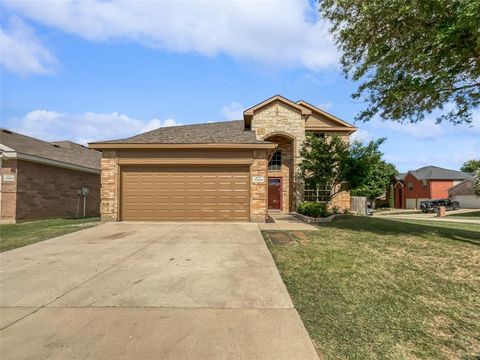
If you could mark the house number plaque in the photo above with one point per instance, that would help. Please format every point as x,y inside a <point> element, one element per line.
<point>258,179</point>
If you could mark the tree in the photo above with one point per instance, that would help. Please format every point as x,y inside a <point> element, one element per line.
<point>324,163</point>
<point>476,188</point>
<point>377,181</point>
<point>333,165</point>
<point>412,57</point>
<point>471,166</point>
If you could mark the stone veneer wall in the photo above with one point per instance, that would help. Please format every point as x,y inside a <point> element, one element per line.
<point>282,119</point>
<point>110,186</point>
<point>258,196</point>
<point>342,200</point>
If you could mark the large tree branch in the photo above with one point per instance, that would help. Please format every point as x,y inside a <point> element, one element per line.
<point>461,87</point>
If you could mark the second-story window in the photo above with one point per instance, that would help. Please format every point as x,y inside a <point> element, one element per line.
<point>317,134</point>
<point>410,186</point>
<point>276,161</point>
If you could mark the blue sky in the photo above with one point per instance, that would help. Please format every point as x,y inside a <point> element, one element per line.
<point>88,71</point>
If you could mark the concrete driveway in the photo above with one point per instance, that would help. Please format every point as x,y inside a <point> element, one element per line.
<point>149,291</point>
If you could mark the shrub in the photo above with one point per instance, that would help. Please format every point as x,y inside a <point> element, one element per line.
<point>313,209</point>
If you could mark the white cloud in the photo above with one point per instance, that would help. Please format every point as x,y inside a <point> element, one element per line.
<point>234,111</point>
<point>426,129</point>
<point>22,52</point>
<point>286,33</point>
<point>83,128</point>
<point>361,136</point>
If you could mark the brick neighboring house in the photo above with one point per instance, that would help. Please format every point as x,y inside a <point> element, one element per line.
<point>426,183</point>
<point>235,170</point>
<point>40,179</point>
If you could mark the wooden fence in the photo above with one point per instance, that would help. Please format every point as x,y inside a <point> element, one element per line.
<point>359,204</point>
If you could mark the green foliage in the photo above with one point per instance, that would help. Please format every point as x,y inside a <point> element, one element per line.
<point>313,209</point>
<point>391,197</point>
<point>412,57</point>
<point>476,187</point>
<point>471,166</point>
<point>323,165</point>
<point>331,164</point>
<point>378,179</point>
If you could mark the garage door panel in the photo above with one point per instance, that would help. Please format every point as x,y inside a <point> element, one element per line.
<point>176,193</point>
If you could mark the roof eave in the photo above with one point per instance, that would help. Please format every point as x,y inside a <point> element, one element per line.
<point>106,146</point>
<point>326,114</point>
<point>51,162</point>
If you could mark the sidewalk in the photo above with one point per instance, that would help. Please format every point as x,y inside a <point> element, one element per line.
<point>286,222</point>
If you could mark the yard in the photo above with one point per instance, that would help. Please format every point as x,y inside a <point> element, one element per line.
<point>369,288</point>
<point>472,214</point>
<point>17,235</point>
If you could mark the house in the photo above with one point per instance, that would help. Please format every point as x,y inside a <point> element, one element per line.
<point>234,170</point>
<point>429,182</point>
<point>463,192</point>
<point>40,179</point>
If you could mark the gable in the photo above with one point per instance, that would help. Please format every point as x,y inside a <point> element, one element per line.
<point>274,100</point>
<point>322,120</point>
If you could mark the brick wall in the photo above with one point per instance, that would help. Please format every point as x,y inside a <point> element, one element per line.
<point>8,192</point>
<point>45,191</point>
<point>258,195</point>
<point>439,188</point>
<point>286,171</point>
<point>110,180</point>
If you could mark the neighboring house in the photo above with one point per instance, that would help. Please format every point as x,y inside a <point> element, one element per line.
<point>429,182</point>
<point>463,192</point>
<point>234,170</point>
<point>40,179</point>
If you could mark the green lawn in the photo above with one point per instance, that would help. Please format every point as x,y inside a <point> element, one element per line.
<point>17,235</point>
<point>474,214</point>
<point>370,288</point>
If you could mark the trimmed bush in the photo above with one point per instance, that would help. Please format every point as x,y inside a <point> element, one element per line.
<point>313,209</point>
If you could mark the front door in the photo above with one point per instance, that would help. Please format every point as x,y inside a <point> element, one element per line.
<point>274,193</point>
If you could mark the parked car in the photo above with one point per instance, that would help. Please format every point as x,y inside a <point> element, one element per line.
<point>432,205</point>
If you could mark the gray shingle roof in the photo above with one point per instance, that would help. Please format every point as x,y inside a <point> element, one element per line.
<point>227,132</point>
<point>400,176</point>
<point>64,151</point>
<point>434,172</point>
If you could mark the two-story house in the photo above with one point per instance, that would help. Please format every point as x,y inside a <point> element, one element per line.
<point>426,183</point>
<point>233,170</point>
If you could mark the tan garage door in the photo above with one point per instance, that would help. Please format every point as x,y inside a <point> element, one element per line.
<point>185,193</point>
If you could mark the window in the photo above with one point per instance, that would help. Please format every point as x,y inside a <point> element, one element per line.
<point>410,186</point>
<point>317,134</point>
<point>276,161</point>
<point>424,184</point>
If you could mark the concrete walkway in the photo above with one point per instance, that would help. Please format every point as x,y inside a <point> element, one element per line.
<point>408,215</point>
<point>286,222</point>
<point>169,291</point>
